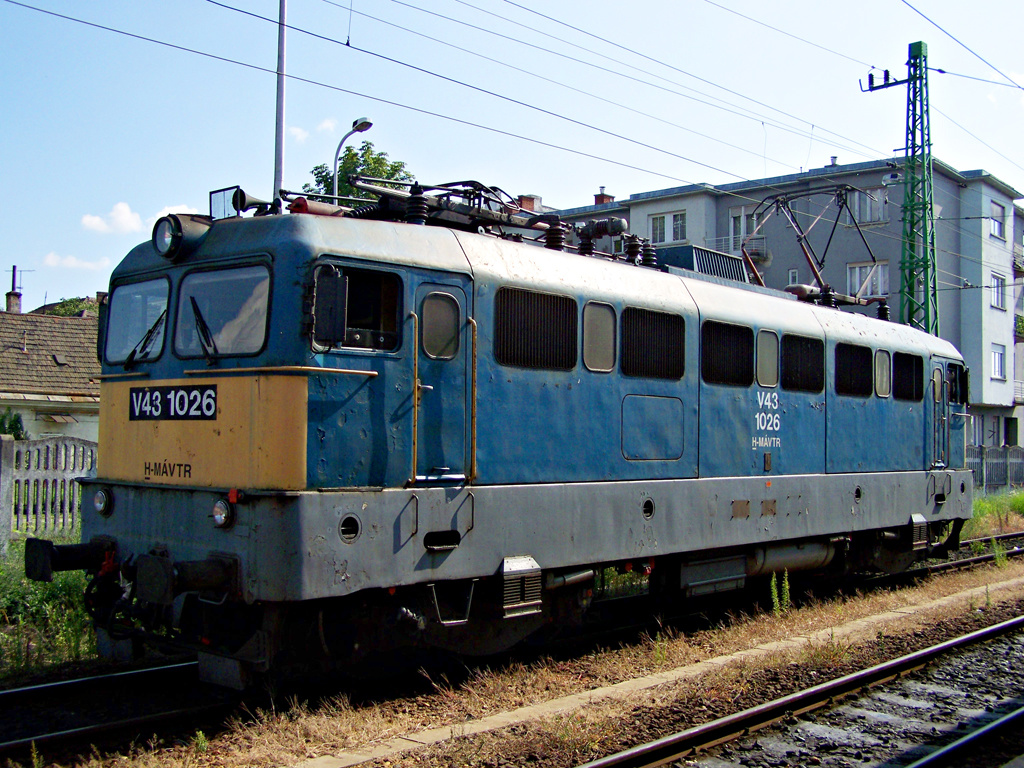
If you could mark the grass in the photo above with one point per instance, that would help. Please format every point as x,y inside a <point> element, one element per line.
<point>995,513</point>
<point>41,624</point>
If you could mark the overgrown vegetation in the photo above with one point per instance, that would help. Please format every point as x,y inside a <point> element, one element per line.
<point>995,513</point>
<point>41,624</point>
<point>11,424</point>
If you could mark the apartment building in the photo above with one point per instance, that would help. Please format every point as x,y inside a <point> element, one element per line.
<point>856,248</point>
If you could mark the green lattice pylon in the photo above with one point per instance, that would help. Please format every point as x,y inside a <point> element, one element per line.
<point>919,304</point>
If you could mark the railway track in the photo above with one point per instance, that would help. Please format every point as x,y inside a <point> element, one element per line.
<point>967,689</point>
<point>81,710</point>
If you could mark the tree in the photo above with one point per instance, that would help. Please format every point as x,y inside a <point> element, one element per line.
<point>364,162</point>
<point>11,424</point>
<point>73,307</point>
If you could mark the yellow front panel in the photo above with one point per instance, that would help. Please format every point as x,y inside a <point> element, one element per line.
<point>257,440</point>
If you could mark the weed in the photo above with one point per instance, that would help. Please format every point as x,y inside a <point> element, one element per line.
<point>773,587</point>
<point>784,597</point>
<point>999,554</point>
<point>781,602</point>
<point>977,547</point>
<point>200,743</point>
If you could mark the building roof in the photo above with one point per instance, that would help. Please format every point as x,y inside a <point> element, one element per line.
<point>48,355</point>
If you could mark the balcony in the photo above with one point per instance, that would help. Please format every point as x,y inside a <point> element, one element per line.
<point>757,246</point>
<point>1018,257</point>
<point>1018,391</point>
<point>1018,327</point>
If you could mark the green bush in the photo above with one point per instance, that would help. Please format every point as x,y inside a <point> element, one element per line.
<point>41,624</point>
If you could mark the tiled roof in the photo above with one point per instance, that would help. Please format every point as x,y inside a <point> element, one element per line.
<point>46,354</point>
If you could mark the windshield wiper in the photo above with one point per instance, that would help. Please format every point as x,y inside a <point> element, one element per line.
<point>205,336</point>
<point>140,349</point>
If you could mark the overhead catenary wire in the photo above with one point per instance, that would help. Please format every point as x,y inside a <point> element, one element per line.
<point>557,83</point>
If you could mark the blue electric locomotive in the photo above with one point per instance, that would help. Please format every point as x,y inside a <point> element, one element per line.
<point>334,432</point>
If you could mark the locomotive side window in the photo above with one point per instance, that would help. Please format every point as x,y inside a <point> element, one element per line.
<point>803,363</point>
<point>136,321</point>
<point>727,354</point>
<point>883,373</point>
<point>652,344</point>
<point>907,377</point>
<point>853,370</point>
<point>356,308</point>
<point>598,336</point>
<point>535,330</point>
<point>440,326</point>
<point>767,358</point>
<point>223,312</point>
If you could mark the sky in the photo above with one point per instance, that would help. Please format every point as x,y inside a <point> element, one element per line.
<point>114,112</point>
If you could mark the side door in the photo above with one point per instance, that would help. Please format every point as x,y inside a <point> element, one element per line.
<point>939,391</point>
<point>443,374</point>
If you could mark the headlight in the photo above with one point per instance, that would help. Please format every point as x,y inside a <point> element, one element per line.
<point>178,234</point>
<point>103,502</point>
<point>223,513</point>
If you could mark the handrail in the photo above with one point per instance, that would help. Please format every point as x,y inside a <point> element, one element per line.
<point>415,392</point>
<point>472,409</point>
<point>278,369</point>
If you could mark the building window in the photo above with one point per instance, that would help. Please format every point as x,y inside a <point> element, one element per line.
<point>652,344</point>
<point>998,291</point>
<point>998,361</point>
<point>869,207</point>
<point>535,330</point>
<point>657,229</point>
<point>794,277</point>
<point>998,221</point>
<point>875,275</point>
<point>742,223</point>
<point>679,226</point>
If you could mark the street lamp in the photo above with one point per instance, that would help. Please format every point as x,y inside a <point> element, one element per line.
<point>359,125</point>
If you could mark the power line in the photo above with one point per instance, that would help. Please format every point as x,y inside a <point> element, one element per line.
<point>962,45</point>
<point>747,114</point>
<point>674,68</point>
<point>552,81</point>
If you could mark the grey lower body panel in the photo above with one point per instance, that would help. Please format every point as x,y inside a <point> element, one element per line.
<point>323,544</point>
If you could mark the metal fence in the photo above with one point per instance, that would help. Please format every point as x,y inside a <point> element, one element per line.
<point>38,488</point>
<point>996,467</point>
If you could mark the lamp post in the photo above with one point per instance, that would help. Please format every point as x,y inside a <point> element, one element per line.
<point>359,125</point>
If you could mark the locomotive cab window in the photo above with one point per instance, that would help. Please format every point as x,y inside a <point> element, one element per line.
<point>535,330</point>
<point>598,336</point>
<point>854,372</point>
<point>136,321</point>
<point>803,363</point>
<point>652,344</point>
<point>440,326</point>
<point>223,312</point>
<point>907,377</point>
<point>356,308</point>
<point>767,358</point>
<point>727,354</point>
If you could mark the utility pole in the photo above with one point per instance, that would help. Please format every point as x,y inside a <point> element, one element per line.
<point>919,304</point>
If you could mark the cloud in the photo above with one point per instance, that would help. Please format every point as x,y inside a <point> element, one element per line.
<point>328,125</point>
<point>73,262</point>
<point>121,219</point>
<point>169,209</point>
<point>299,134</point>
